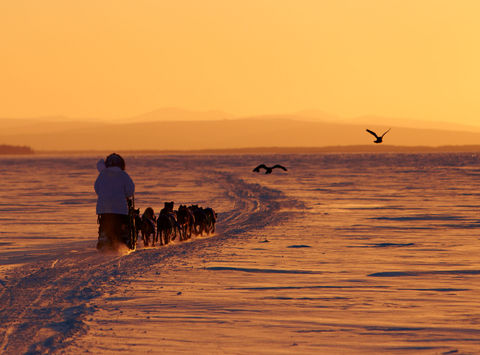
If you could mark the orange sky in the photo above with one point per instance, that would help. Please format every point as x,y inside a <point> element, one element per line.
<point>116,58</point>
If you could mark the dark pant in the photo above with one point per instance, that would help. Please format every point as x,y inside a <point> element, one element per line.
<point>113,229</point>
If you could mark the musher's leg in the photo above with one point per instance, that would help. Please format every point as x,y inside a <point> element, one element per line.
<point>105,230</point>
<point>122,229</point>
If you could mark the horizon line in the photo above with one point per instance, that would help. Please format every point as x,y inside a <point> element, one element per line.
<point>278,150</point>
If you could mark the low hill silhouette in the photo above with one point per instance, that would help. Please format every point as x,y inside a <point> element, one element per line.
<point>12,149</point>
<point>210,130</point>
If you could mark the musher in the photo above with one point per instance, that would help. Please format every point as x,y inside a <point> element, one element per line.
<point>114,189</point>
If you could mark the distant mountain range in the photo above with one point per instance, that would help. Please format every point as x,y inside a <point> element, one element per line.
<point>175,114</point>
<point>172,129</point>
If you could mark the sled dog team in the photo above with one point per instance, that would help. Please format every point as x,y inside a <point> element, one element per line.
<point>120,223</point>
<point>183,222</point>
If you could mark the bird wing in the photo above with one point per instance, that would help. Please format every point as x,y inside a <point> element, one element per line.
<point>257,169</point>
<point>279,166</point>
<point>386,132</point>
<point>372,132</point>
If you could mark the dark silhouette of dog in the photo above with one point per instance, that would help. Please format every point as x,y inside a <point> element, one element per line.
<point>200,219</point>
<point>378,139</point>
<point>167,225</point>
<point>168,208</point>
<point>148,227</point>
<point>211,219</point>
<point>204,220</point>
<point>186,222</point>
<point>268,170</point>
<point>165,229</point>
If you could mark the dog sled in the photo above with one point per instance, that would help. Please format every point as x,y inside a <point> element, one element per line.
<point>115,231</point>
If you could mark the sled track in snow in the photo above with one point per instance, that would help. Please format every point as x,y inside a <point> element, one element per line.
<point>256,206</point>
<point>44,304</point>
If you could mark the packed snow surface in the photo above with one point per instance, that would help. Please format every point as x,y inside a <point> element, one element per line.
<point>341,254</point>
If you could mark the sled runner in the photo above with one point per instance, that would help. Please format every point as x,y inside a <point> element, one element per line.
<point>132,232</point>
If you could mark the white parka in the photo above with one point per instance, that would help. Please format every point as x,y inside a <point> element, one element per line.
<point>113,186</point>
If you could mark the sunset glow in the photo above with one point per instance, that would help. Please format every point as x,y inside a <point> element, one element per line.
<point>115,59</point>
<point>239,177</point>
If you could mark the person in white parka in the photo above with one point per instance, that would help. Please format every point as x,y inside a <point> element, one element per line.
<point>113,187</point>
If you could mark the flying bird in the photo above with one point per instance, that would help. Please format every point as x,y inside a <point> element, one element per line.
<point>268,170</point>
<point>379,139</point>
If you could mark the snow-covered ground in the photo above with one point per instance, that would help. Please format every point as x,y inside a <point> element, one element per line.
<point>342,254</point>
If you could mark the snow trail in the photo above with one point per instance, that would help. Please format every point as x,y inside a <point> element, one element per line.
<point>45,304</point>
